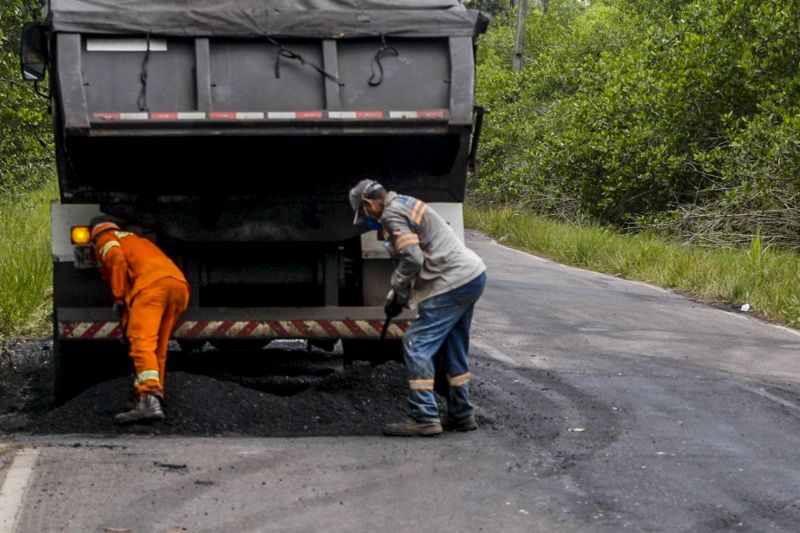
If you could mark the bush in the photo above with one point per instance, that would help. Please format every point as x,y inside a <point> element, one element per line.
<point>652,115</point>
<point>26,159</point>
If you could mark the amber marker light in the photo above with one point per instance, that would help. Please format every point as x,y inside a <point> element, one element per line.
<point>79,235</point>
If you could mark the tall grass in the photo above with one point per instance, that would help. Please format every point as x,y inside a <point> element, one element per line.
<point>767,279</point>
<point>25,263</point>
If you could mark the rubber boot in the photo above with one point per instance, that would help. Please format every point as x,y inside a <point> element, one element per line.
<point>413,428</point>
<point>467,423</point>
<point>147,408</point>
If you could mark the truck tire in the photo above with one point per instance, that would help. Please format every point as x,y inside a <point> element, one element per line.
<point>239,345</point>
<point>77,365</point>
<point>68,378</point>
<point>374,351</point>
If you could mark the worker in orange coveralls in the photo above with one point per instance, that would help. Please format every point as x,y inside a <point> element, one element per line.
<point>150,293</point>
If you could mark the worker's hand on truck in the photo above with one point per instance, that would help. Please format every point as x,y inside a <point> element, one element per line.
<point>118,308</point>
<point>392,307</point>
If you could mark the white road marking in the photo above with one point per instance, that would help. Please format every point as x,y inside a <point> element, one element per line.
<point>787,330</point>
<point>12,493</point>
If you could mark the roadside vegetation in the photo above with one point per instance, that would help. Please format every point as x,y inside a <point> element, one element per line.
<point>664,136</point>
<point>680,116</point>
<point>652,139</point>
<point>27,184</point>
<point>25,264</point>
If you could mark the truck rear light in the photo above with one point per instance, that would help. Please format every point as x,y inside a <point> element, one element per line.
<point>79,234</point>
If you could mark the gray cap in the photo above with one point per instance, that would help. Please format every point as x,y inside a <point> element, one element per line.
<point>357,194</point>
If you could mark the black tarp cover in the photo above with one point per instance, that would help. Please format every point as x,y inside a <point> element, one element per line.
<point>276,18</point>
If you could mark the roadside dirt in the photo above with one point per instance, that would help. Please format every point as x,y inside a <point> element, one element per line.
<point>26,376</point>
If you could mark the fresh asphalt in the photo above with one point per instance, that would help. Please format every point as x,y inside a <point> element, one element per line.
<point>605,405</point>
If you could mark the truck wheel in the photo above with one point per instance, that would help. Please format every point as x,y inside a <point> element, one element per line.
<point>374,351</point>
<point>69,378</point>
<point>239,345</point>
<point>77,365</point>
<point>188,347</point>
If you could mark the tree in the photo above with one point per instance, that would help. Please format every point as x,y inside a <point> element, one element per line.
<point>644,113</point>
<point>25,127</point>
<point>492,7</point>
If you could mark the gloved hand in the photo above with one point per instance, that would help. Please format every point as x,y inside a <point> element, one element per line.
<point>118,308</point>
<point>392,307</point>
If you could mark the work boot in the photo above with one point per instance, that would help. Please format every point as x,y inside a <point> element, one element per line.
<point>468,423</point>
<point>412,428</point>
<point>147,408</point>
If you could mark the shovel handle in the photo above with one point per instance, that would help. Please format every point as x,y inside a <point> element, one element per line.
<point>385,327</point>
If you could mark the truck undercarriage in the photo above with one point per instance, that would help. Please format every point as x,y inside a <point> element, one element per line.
<point>230,134</point>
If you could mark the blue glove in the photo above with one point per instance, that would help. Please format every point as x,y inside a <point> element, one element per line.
<point>118,308</point>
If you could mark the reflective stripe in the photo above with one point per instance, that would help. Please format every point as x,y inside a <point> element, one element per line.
<point>459,381</point>
<point>418,212</point>
<point>106,247</point>
<point>406,240</point>
<point>121,234</point>
<point>147,375</point>
<point>420,384</point>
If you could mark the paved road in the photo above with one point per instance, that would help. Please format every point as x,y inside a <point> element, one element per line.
<point>605,405</point>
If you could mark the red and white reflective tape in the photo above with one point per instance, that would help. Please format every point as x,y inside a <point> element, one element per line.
<point>89,330</point>
<point>432,114</point>
<point>247,329</point>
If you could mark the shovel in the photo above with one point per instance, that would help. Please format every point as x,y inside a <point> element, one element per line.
<point>385,327</point>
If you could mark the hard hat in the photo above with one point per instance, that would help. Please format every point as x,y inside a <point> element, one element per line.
<point>362,190</point>
<point>99,228</point>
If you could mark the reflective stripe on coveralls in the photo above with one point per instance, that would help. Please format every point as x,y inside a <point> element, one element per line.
<point>107,247</point>
<point>145,376</point>
<point>459,381</point>
<point>418,212</point>
<point>420,384</point>
<point>404,240</point>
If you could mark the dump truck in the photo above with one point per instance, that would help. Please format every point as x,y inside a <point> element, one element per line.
<point>229,133</point>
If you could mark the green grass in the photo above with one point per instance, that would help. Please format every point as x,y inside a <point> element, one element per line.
<point>767,279</point>
<point>25,264</point>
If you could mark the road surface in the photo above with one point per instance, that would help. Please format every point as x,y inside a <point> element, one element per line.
<point>605,405</point>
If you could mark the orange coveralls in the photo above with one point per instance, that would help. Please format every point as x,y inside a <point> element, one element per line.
<point>155,293</point>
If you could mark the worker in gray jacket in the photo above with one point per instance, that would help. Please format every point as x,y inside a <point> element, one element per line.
<point>437,275</point>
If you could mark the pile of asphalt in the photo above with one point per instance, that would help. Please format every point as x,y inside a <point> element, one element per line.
<point>356,400</point>
<point>273,393</point>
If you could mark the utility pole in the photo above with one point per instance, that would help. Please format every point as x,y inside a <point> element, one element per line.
<point>518,48</point>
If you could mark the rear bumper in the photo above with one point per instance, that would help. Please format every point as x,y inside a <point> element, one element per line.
<point>244,323</point>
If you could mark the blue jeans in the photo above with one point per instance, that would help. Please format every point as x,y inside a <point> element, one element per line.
<point>443,323</point>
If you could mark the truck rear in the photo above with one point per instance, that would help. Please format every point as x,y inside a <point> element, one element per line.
<point>230,134</point>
